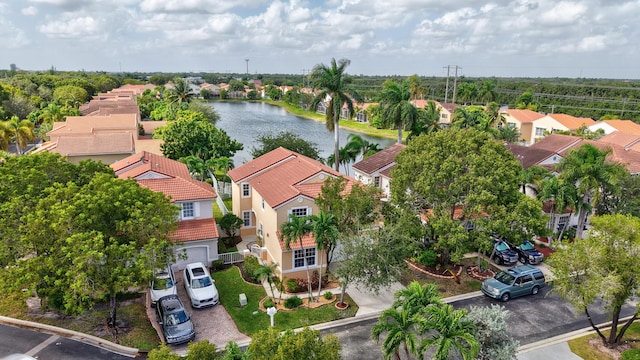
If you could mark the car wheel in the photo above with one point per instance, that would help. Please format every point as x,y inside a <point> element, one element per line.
<point>535,290</point>
<point>497,260</point>
<point>505,297</point>
<point>523,260</point>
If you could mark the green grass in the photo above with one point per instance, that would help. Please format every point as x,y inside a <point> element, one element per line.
<point>582,348</point>
<point>250,319</point>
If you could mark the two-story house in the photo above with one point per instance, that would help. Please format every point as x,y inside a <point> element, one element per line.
<point>376,168</point>
<point>197,233</point>
<point>266,191</point>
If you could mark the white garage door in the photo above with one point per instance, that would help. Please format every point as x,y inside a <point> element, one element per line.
<point>194,254</point>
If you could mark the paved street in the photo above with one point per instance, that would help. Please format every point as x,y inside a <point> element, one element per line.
<point>47,346</point>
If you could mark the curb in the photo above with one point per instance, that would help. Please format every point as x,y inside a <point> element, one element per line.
<point>74,335</point>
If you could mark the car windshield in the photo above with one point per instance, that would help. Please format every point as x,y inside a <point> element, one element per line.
<point>200,283</point>
<point>502,246</point>
<point>176,318</point>
<point>505,278</point>
<point>526,246</point>
<point>162,284</point>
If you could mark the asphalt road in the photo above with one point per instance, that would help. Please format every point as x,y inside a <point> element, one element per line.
<point>533,318</point>
<point>47,346</point>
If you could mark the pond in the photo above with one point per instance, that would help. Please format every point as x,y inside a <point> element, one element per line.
<point>246,121</point>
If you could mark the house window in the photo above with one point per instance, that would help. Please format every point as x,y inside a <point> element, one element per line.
<point>260,230</point>
<point>376,181</point>
<point>262,204</point>
<point>246,218</point>
<point>299,257</point>
<point>562,222</point>
<point>444,116</point>
<point>246,190</point>
<point>299,212</point>
<point>188,211</point>
<point>540,132</point>
<point>511,124</point>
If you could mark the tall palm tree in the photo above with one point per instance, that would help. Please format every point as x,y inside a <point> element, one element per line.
<point>6,135</point>
<point>397,108</point>
<point>428,121</point>
<point>325,233</point>
<point>416,297</point>
<point>360,146</point>
<point>415,86</point>
<point>400,326</point>
<point>561,194</point>
<point>346,155</point>
<point>266,273</point>
<point>467,92</point>
<point>180,92</point>
<point>52,113</point>
<point>334,85</point>
<point>448,331</point>
<point>466,117</point>
<point>532,176</point>
<point>196,166</point>
<point>23,132</point>
<point>295,230</point>
<point>487,91</point>
<point>588,169</point>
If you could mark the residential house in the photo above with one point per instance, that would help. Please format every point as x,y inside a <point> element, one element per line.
<point>376,169</point>
<point>522,119</point>
<point>266,190</point>
<point>551,123</point>
<point>610,126</point>
<point>446,110</point>
<point>197,233</point>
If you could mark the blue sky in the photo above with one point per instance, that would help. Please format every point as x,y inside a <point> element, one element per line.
<point>510,38</point>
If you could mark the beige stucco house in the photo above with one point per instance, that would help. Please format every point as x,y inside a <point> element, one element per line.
<point>551,123</point>
<point>376,169</point>
<point>266,191</point>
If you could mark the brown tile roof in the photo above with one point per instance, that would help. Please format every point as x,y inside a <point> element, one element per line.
<point>556,142</point>
<point>524,115</point>
<point>90,124</point>
<point>626,126</point>
<point>529,156</point>
<point>258,164</point>
<point>180,189</point>
<point>379,160</point>
<point>307,242</point>
<point>450,107</point>
<point>144,143</point>
<point>144,162</point>
<point>387,172</point>
<point>629,158</point>
<point>193,230</point>
<point>93,144</point>
<point>620,138</point>
<point>571,122</point>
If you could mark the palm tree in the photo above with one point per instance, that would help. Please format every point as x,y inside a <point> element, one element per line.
<point>428,121</point>
<point>467,92</point>
<point>346,155</point>
<point>588,169</point>
<point>334,85</point>
<point>487,91</point>
<point>52,113</point>
<point>295,230</point>
<point>360,146</point>
<point>23,132</point>
<point>196,166</point>
<point>415,86</point>
<point>532,176</point>
<point>448,331</point>
<point>180,93</point>
<point>6,135</point>
<point>464,117</point>
<point>416,297</point>
<point>496,119</point>
<point>561,194</point>
<point>325,234</point>
<point>400,326</point>
<point>266,273</point>
<point>397,108</point>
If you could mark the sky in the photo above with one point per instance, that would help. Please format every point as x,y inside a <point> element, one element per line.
<point>502,38</point>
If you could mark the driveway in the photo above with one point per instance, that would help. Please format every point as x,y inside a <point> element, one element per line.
<point>213,323</point>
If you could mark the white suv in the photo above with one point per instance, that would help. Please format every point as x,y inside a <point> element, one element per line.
<point>199,286</point>
<point>163,284</point>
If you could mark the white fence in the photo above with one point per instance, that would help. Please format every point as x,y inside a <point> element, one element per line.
<point>232,257</point>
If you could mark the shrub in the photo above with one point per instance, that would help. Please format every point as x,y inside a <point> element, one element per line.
<point>631,355</point>
<point>328,295</point>
<point>217,265</point>
<point>268,303</point>
<point>484,264</point>
<point>292,302</point>
<point>428,258</point>
<point>291,285</point>
<point>251,264</point>
<point>230,223</point>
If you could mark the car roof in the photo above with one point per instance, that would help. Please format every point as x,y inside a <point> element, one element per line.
<point>521,269</point>
<point>170,303</point>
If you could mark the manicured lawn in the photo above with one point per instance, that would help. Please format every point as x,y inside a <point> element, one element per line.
<point>582,348</point>
<point>250,319</point>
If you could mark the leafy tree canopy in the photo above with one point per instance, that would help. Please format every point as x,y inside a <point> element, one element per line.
<point>287,140</point>
<point>306,344</point>
<point>192,136</point>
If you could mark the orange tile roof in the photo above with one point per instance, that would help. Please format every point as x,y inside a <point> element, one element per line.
<point>524,115</point>
<point>626,126</point>
<point>89,124</point>
<point>141,163</point>
<point>379,160</point>
<point>620,138</point>
<point>308,241</point>
<point>258,164</point>
<point>94,144</point>
<point>193,230</point>
<point>180,189</point>
<point>571,122</point>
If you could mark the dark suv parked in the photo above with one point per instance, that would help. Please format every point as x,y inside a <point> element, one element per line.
<point>503,254</point>
<point>527,253</point>
<point>174,320</point>
<point>513,282</point>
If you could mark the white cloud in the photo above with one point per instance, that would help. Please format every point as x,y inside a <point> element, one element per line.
<point>11,37</point>
<point>29,11</point>
<point>189,6</point>
<point>563,13</point>
<point>81,27</point>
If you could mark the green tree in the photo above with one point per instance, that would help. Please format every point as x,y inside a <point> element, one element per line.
<point>602,266</point>
<point>202,350</point>
<point>306,344</point>
<point>415,86</point>
<point>492,333</point>
<point>334,84</point>
<point>469,117</point>
<point>494,116</point>
<point>588,168</point>
<point>70,95</point>
<point>467,92</point>
<point>397,109</point>
<point>287,140</point>
<point>205,109</point>
<point>92,242</point>
<point>6,135</point>
<point>184,137</point>
<point>361,147</point>
<point>231,223</point>
<point>267,273</point>
<point>180,92</point>
<point>627,201</point>
<point>487,91</point>
<point>22,132</point>
<point>197,167</point>
<point>400,327</point>
<point>532,177</point>
<point>324,228</point>
<point>415,297</point>
<point>448,332</point>
<point>164,352</point>
<point>295,230</point>
<point>428,121</point>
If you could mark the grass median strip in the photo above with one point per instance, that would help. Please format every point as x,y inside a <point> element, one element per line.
<point>250,319</point>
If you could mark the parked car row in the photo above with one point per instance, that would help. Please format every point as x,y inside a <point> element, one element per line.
<point>506,253</point>
<point>171,315</point>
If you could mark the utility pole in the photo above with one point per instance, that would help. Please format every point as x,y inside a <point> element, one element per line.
<point>247,60</point>
<point>446,89</point>
<point>455,82</point>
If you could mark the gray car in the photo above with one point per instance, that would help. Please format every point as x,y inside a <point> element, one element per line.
<point>174,320</point>
<point>513,282</point>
